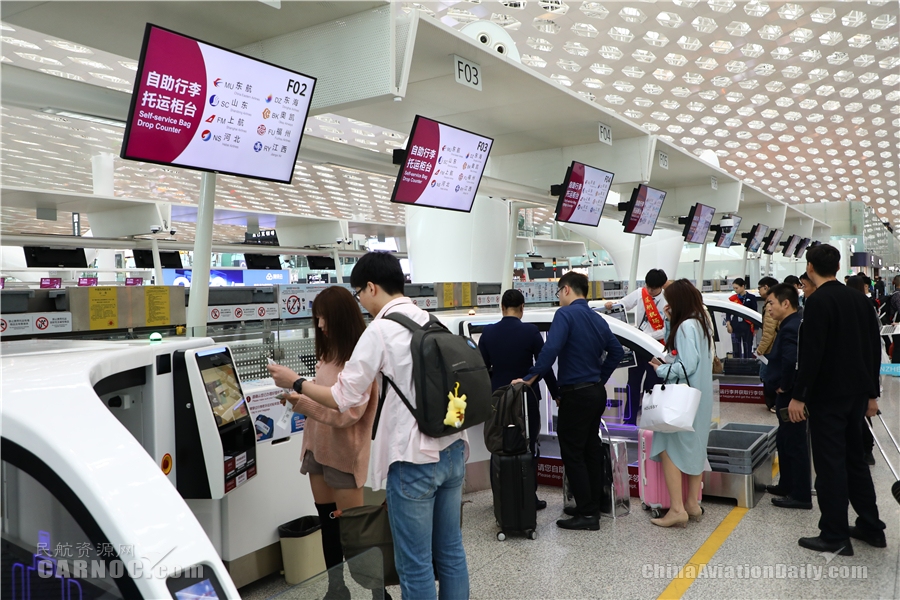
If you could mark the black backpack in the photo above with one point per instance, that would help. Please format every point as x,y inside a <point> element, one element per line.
<point>444,365</point>
<point>506,431</point>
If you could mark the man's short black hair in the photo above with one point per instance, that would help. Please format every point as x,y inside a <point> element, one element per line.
<point>767,281</point>
<point>792,280</point>
<point>512,299</point>
<point>381,268</point>
<point>740,281</point>
<point>578,282</point>
<point>656,278</point>
<point>804,276</point>
<point>785,291</point>
<point>825,260</point>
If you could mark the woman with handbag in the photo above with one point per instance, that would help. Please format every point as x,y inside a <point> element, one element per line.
<point>689,341</point>
<point>335,450</point>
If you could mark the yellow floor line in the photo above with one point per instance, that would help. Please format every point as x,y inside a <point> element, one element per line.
<point>686,576</point>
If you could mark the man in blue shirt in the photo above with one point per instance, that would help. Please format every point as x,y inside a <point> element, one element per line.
<point>588,353</point>
<point>509,349</point>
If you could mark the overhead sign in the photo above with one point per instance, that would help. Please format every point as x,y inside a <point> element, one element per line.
<point>606,134</point>
<point>203,107</point>
<point>467,72</point>
<point>443,166</point>
<point>584,195</point>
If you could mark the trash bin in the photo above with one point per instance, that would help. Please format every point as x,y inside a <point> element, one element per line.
<point>301,549</point>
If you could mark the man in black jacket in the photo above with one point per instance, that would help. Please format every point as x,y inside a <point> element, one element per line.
<point>782,302</point>
<point>838,379</point>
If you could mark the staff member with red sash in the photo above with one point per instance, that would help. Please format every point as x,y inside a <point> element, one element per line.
<point>649,305</point>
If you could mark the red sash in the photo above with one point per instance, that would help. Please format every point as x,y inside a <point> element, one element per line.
<point>650,309</point>
<point>737,300</point>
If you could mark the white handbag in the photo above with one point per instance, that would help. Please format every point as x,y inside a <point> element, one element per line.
<point>670,407</point>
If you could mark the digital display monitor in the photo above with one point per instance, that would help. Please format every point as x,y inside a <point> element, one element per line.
<point>202,107</point>
<point>202,590</point>
<point>169,259</point>
<point>801,247</point>
<point>698,223</point>
<point>263,261</point>
<point>223,389</point>
<point>723,239</point>
<point>755,238</point>
<point>583,195</point>
<point>791,246</point>
<point>771,243</point>
<point>643,210</point>
<point>53,258</point>
<point>443,166</point>
<point>320,263</point>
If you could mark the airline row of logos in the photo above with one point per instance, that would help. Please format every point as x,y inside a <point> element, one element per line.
<point>36,323</point>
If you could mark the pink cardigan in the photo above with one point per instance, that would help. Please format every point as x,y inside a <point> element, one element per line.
<point>338,440</point>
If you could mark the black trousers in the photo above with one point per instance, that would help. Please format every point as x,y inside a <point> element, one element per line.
<point>842,475</point>
<point>793,455</point>
<point>534,430</point>
<point>895,357</point>
<point>578,427</point>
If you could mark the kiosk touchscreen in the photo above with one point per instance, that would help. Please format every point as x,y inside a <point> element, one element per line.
<point>215,437</point>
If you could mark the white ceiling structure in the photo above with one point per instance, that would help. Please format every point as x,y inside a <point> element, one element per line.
<point>800,99</point>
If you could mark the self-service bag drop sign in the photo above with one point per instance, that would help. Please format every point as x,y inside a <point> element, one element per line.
<point>215,438</point>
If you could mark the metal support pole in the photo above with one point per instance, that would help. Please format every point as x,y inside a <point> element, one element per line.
<point>743,272</point>
<point>199,302</point>
<point>702,266</point>
<point>157,262</point>
<point>509,262</point>
<point>338,270</point>
<point>768,267</point>
<point>635,257</point>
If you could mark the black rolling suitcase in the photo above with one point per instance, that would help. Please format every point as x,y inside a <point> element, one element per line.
<point>513,484</point>
<point>741,366</point>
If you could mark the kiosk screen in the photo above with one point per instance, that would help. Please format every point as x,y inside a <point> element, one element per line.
<point>222,387</point>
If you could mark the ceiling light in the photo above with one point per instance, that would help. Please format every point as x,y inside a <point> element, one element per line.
<point>655,39</point>
<point>860,40</point>
<point>884,22</point>
<point>676,60</point>
<point>669,19</point>
<point>610,52</point>
<point>544,24</point>
<point>764,69</point>
<point>593,10</point>
<point>810,55</point>
<point>756,8</point>
<point>831,38</point>
<point>644,56</point>
<point>792,72</point>
<point>586,30</point>
<point>704,24</point>
<point>601,69</point>
<point>632,15</point>
<point>854,18</point>
<point>540,44</point>
<point>887,43</point>
<point>576,48</point>
<point>752,50</point>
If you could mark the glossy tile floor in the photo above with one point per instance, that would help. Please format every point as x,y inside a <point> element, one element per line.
<point>630,558</point>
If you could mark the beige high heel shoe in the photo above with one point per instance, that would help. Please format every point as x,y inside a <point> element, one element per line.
<point>697,517</point>
<point>672,520</point>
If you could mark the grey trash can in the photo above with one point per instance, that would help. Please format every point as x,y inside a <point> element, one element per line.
<point>301,549</point>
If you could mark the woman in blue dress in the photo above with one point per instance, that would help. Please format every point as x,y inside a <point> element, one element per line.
<point>689,341</point>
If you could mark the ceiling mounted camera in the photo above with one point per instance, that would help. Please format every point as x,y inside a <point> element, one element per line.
<point>492,36</point>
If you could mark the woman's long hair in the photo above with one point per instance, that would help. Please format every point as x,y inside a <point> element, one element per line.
<point>344,321</point>
<point>685,302</point>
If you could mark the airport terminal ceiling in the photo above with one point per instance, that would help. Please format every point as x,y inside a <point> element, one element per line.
<point>800,99</point>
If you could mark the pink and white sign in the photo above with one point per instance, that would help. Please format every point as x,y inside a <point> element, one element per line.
<point>584,196</point>
<point>134,281</point>
<point>443,166</point>
<point>646,204</point>
<point>51,283</point>
<point>87,281</point>
<point>202,107</point>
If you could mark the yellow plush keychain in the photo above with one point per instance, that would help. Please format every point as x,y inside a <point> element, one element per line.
<point>456,409</point>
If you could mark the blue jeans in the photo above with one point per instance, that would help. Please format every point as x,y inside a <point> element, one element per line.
<point>424,510</point>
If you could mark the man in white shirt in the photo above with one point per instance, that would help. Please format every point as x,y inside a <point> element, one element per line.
<point>649,305</point>
<point>423,475</point>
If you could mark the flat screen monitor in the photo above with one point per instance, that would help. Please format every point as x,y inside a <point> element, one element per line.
<point>755,238</point>
<point>320,263</point>
<point>791,246</point>
<point>202,107</point>
<point>223,389</point>
<point>443,166</point>
<point>698,223</point>
<point>771,243</point>
<point>801,247</point>
<point>53,258</point>
<point>583,195</point>
<point>643,210</point>
<point>263,261</point>
<point>724,239</point>
<point>170,259</point>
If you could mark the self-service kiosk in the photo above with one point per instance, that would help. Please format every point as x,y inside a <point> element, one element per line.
<point>215,437</point>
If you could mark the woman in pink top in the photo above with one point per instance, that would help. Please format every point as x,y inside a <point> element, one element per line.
<point>336,444</point>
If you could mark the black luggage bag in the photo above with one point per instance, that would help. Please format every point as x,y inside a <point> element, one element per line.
<point>741,366</point>
<point>513,485</point>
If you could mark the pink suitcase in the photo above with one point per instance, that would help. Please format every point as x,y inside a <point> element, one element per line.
<point>651,481</point>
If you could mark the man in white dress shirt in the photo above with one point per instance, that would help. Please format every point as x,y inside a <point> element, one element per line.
<point>649,305</point>
<point>423,475</point>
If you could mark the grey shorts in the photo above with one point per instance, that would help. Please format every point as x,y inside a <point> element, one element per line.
<point>335,479</point>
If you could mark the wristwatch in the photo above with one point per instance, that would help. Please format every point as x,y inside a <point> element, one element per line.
<point>298,385</point>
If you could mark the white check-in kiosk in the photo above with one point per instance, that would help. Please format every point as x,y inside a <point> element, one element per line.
<point>89,512</point>
<point>215,437</point>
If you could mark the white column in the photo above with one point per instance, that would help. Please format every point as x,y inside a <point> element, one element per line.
<point>199,302</point>
<point>103,173</point>
<point>635,257</point>
<point>157,262</point>
<point>453,246</point>
<point>768,267</point>
<point>509,256</point>
<point>702,266</point>
<point>338,268</point>
<point>743,272</point>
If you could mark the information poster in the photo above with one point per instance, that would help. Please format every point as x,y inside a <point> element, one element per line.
<point>585,195</point>
<point>642,217</point>
<point>266,411</point>
<point>448,294</point>
<point>467,295</point>
<point>202,107</point>
<point>103,304</point>
<point>228,277</point>
<point>443,166</point>
<point>156,306</point>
